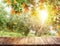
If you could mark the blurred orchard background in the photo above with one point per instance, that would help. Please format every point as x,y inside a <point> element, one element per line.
<point>19,18</point>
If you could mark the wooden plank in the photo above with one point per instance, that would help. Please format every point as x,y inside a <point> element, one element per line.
<point>30,40</point>
<point>21,41</point>
<point>38,40</point>
<point>44,39</point>
<point>57,39</point>
<point>49,40</point>
<point>12,40</point>
<point>52,40</point>
<point>1,40</point>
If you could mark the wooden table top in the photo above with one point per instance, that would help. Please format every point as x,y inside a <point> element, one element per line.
<point>29,40</point>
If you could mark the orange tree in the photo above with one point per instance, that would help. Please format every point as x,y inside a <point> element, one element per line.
<point>29,14</point>
<point>18,6</point>
<point>18,23</point>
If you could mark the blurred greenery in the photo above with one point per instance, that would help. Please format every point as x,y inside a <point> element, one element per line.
<point>14,34</point>
<point>20,25</point>
<point>9,34</point>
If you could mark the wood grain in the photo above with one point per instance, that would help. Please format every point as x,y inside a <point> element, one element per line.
<point>29,40</point>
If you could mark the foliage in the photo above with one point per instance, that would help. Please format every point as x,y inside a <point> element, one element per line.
<point>13,22</point>
<point>3,19</point>
<point>24,16</point>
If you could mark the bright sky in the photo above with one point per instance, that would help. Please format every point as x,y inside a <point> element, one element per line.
<point>6,8</point>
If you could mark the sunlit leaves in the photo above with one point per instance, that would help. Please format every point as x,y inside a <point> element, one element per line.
<point>18,5</point>
<point>21,7</point>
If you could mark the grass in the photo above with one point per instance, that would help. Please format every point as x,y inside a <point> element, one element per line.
<point>16,34</point>
<point>13,34</point>
<point>9,34</point>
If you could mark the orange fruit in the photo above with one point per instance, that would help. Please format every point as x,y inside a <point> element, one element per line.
<point>8,2</point>
<point>15,1</point>
<point>26,9</point>
<point>12,11</point>
<point>23,5</point>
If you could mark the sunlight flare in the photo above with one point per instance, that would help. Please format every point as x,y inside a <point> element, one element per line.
<point>43,15</point>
